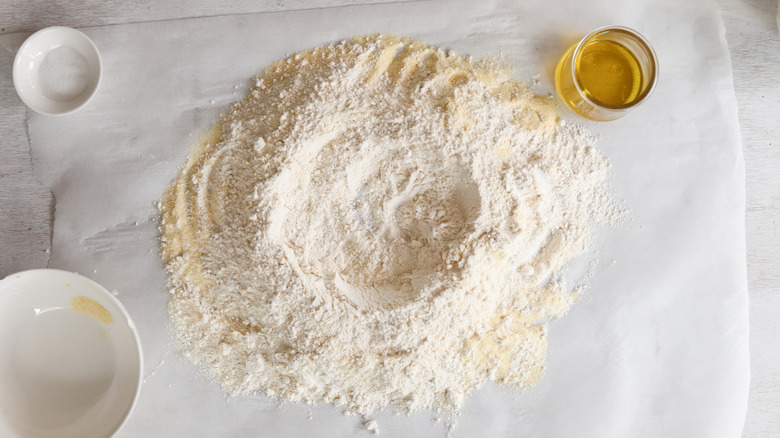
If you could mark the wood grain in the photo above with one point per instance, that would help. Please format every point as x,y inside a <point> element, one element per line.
<point>26,207</point>
<point>30,15</point>
<point>751,31</point>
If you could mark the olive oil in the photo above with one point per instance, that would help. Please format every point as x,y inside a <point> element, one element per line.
<point>608,73</point>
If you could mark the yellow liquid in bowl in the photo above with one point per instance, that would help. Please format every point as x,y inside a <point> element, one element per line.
<point>608,73</point>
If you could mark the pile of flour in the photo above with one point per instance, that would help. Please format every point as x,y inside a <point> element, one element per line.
<point>379,222</point>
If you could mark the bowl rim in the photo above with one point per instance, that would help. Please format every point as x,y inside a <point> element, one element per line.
<point>17,71</point>
<point>125,314</point>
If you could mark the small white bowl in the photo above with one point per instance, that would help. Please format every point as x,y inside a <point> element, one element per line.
<point>70,357</point>
<point>57,70</point>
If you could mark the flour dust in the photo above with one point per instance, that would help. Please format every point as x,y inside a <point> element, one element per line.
<point>379,222</point>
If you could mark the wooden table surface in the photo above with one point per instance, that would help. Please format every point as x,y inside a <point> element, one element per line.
<point>26,207</point>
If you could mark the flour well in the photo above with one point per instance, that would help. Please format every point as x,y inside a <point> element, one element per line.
<point>379,222</point>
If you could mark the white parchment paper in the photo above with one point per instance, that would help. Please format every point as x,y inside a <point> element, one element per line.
<point>657,347</point>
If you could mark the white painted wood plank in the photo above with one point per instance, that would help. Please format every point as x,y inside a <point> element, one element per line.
<point>30,15</point>
<point>751,31</point>
<point>25,205</point>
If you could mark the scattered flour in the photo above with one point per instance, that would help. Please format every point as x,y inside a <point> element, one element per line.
<point>379,222</point>
<point>372,426</point>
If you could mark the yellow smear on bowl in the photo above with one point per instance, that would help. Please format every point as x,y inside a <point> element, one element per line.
<point>90,307</point>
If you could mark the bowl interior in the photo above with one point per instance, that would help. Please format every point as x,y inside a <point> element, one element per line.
<point>57,70</point>
<point>70,360</point>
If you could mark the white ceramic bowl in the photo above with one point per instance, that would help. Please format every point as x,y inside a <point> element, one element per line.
<point>70,358</point>
<point>57,70</point>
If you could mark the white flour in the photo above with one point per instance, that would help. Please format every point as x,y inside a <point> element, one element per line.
<point>379,222</point>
